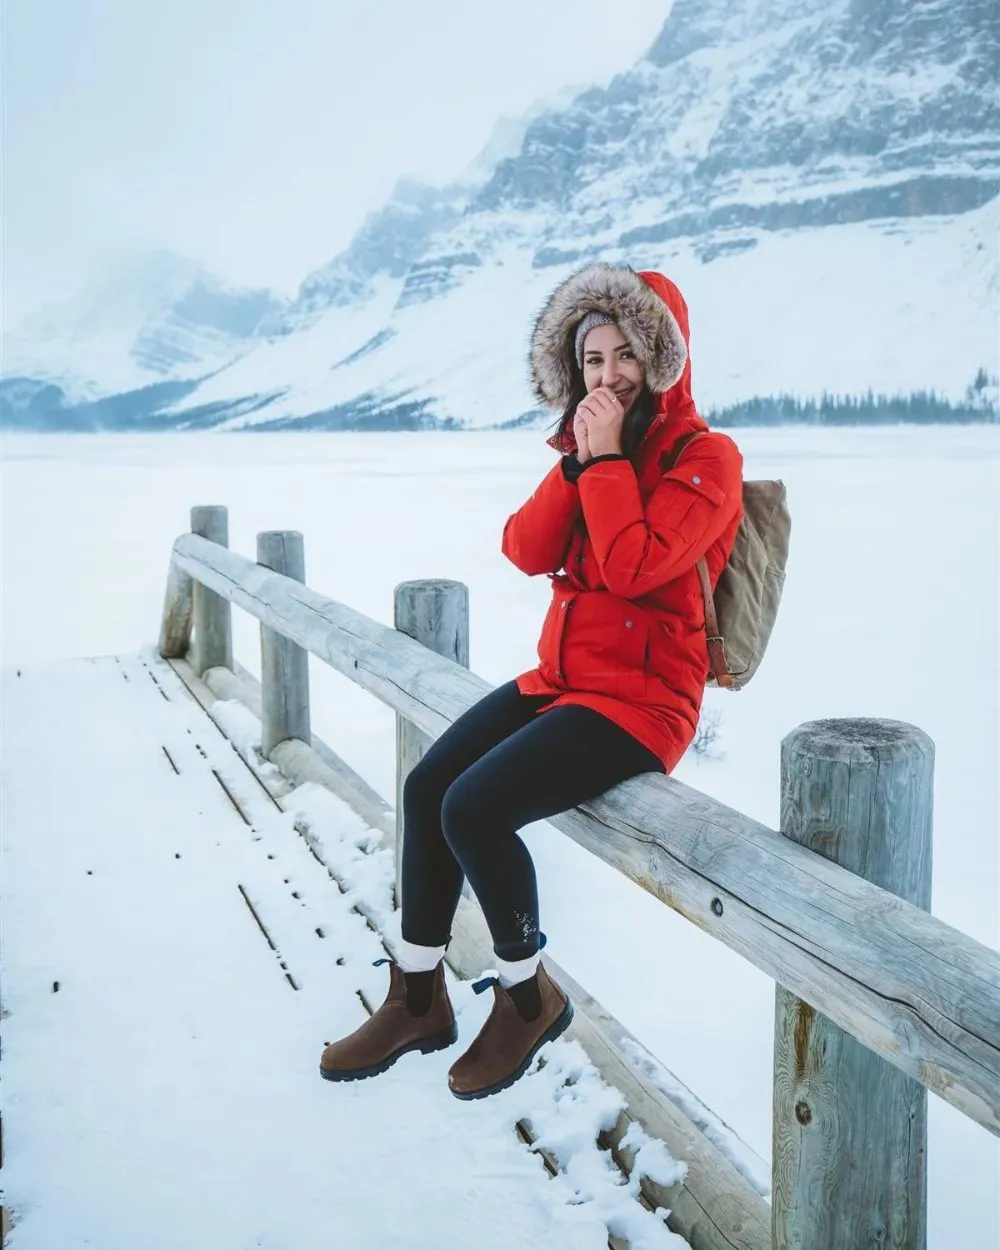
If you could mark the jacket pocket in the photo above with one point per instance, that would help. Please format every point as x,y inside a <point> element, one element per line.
<point>698,484</point>
<point>633,647</point>
<point>553,627</point>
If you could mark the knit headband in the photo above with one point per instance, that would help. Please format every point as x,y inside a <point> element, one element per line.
<point>590,322</point>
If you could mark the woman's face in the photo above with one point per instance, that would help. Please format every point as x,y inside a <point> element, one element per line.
<point>609,361</point>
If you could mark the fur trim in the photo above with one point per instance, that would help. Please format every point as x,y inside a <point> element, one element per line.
<point>642,316</point>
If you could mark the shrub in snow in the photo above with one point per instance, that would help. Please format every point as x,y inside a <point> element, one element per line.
<point>706,740</point>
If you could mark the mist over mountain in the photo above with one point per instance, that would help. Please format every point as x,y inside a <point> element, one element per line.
<point>821,179</point>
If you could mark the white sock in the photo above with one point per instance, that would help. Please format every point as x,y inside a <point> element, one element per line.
<point>413,958</point>
<point>511,973</point>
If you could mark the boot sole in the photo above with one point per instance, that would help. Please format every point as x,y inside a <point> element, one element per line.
<point>426,1045</point>
<point>560,1025</point>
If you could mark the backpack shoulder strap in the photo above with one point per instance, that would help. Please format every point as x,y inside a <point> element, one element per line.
<point>716,644</point>
<point>669,461</point>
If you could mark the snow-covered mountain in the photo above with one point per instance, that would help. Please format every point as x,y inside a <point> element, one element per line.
<point>155,324</point>
<point>821,178</point>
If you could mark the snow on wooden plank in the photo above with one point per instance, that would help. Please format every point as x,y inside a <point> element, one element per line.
<point>168,1094</point>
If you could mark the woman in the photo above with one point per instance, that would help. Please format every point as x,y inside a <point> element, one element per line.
<point>621,674</point>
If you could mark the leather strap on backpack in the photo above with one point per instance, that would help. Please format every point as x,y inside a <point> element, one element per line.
<point>716,643</point>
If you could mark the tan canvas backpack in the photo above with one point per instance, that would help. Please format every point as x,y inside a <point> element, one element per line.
<point>740,615</point>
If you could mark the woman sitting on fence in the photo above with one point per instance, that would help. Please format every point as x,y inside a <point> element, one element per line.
<point>622,666</point>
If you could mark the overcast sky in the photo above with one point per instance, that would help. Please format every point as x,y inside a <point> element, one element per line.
<point>253,135</point>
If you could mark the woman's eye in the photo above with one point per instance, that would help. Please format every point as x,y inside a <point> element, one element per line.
<point>628,355</point>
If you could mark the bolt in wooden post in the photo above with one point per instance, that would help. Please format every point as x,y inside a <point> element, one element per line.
<point>284,665</point>
<point>850,1130</point>
<point>211,614</point>
<point>435,613</point>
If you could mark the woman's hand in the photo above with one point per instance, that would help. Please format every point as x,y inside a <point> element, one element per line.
<point>603,414</point>
<point>580,433</point>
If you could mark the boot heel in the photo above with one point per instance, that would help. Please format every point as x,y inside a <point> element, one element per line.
<point>561,1025</point>
<point>439,1041</point>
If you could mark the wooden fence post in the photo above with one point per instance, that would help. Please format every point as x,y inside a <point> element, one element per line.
<point>436,613</point>
<point>284,665</point>
<point>175,624</point>
<point>849,1152</point>
<point>211,614</point>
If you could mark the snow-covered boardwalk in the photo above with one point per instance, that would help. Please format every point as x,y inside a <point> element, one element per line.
<point>176,953</point>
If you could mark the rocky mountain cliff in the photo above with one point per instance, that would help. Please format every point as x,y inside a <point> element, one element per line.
<point>821,177</point>
<point>777,114</point>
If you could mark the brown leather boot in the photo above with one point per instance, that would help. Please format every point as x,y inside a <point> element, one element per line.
<point>392,1031</point>
<point>507,1043</point>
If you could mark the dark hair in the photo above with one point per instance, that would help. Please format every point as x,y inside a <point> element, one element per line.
<point>637,418</point>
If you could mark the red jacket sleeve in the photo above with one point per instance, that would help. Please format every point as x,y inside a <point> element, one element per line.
<point>536,538</point>
<point>639,549</point>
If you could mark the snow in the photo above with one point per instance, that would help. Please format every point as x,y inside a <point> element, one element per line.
<point>508,133</point>
<point>160,1058</point>
<point>719,1133</point>
<point>767,103</point>
<point>309,354</point>
<point>97,341</point>
<point>894,553</point>
<point>838,309</point>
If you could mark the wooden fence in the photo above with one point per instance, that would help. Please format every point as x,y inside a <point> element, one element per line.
<point>876,1000</point>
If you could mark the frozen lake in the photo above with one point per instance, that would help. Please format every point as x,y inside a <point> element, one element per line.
<point>890,610</point>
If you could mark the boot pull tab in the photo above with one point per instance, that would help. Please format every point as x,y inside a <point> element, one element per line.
<point>478,987</point>
<point>378,962</point>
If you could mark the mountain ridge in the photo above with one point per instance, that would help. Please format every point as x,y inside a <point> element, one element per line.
<point>764,153</point>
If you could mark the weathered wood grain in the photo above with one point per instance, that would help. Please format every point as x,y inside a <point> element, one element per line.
<point>175,624</point>
<point>715,1207</point>
<point>211,612</point>
<point>436,614</point>
<point>849,1130</point>
<point>316,762</point>
<point>915,990</point>
<point>284,666</point>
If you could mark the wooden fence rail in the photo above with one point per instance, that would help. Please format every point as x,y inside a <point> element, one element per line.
<point>914,991</point>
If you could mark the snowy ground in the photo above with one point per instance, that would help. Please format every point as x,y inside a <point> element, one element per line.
<point>160,1058</point>
<point>891,609</point>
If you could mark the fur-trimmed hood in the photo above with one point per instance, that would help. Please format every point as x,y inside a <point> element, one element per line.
<point>648,308</point>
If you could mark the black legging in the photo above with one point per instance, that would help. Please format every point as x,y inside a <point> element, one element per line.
<point>497,768</point>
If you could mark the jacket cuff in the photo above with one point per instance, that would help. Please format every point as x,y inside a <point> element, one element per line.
<point>600,460</point>
<point>571,468</point>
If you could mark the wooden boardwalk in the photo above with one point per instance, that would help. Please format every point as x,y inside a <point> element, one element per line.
<point>175,955</point>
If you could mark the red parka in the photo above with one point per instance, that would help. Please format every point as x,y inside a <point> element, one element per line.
<point>625,631</point>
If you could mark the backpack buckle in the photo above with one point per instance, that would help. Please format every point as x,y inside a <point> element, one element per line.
<point>717,662</point>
